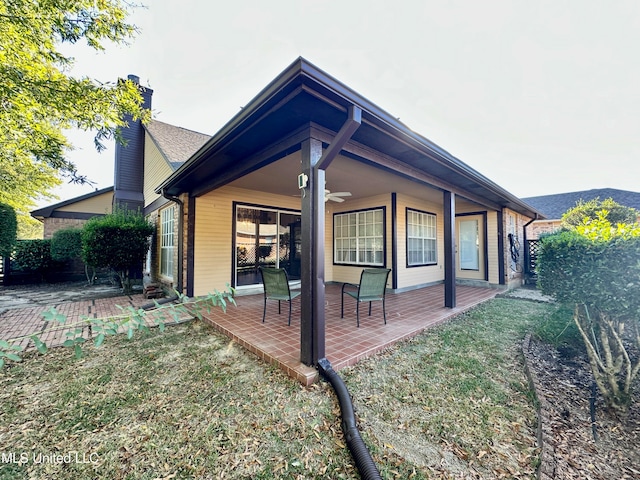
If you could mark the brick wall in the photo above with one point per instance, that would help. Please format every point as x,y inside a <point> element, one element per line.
<point>52,225</point>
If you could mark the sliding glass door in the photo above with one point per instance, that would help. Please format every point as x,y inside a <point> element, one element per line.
<point>266,237</point>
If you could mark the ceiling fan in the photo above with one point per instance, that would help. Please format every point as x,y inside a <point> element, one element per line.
<point>335,196</point>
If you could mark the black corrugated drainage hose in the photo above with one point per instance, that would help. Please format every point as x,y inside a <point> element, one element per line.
<point>359,451</point>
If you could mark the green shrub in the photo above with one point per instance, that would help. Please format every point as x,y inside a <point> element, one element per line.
<point>66,244</point>
<point>8,229</point>
<point>32,256</point>
<point>615,213</point>
<point>595,268</point>
<point>118,241</point>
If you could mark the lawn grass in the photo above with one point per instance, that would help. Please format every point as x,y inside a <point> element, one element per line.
<point>188,403</point>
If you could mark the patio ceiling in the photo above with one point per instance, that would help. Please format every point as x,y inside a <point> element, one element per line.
<point>343,175</point>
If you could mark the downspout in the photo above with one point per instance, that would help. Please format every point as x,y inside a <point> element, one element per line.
<point>180,203</point>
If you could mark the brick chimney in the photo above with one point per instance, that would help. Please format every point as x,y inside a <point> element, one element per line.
<point>129,159</point>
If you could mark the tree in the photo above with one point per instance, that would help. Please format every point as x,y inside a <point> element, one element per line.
<point>595,268</point>
<point>39,99</point>
<point>615,213</point>
<point>8,229</point>
<point>118,241</point>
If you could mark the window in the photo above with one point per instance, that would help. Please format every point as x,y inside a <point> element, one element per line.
<point>359,237</point>
<point>421,238</point>
<point>167,241</point>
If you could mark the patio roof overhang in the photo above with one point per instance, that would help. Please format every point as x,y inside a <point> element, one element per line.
<point>303,101</point>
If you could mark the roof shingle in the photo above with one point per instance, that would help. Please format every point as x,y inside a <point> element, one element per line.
<point>553,206</point>
<point>176,143</point>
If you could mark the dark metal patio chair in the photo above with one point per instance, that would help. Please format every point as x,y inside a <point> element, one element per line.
<point>372,287</point>
<point>276,287</point>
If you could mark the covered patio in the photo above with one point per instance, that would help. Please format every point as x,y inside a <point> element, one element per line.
<point>408,314</point>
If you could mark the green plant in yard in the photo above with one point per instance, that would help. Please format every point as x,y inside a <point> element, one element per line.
<point>8,229</point>
<point>615,213</point>
<point>33,256</point>
<point>119,241</point>
<point>130,321</point>
<point>595,268</point>
<point>66,244</point>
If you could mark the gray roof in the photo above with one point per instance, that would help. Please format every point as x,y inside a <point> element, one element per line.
<point>553,206</point>
<point>176,143</point>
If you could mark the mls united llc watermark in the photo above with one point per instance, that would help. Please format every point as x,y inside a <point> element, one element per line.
<point>23,458</point>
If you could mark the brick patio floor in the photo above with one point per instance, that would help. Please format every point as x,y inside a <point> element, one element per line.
<point>408,314</point>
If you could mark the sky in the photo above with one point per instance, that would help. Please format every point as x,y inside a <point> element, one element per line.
<point>541,97</point>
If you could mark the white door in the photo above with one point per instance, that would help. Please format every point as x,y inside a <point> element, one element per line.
<point>471,249</point>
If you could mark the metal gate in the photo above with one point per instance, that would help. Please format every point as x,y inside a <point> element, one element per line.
<point>531,259</point>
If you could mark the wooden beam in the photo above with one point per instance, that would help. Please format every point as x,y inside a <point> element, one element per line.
<point>344,135</point>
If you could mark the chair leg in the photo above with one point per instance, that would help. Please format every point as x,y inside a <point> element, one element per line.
<point>278,307</point>
<point>342,306</point>
<point>384,312</point>
<point>264,310</point>
<point>358,313</point>
<point>369,308</point>
<point>290,302</point>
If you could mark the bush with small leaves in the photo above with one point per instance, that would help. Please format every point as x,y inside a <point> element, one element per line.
<point>119,241</point>
<point>595,268</point>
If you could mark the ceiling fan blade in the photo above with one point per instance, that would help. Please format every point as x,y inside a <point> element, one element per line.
<point>334,199</point>
<point>340,194</point>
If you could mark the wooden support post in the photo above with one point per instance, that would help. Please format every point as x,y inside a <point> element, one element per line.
<point>312,328</point>
<point>449,199</point>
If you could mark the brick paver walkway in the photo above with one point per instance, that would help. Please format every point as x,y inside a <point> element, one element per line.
<point>22,322</point>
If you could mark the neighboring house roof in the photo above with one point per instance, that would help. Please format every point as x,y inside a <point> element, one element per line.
<point>177,144</point>
<point>53,210</point>
<point>303,97</point>
<point>554,206</point>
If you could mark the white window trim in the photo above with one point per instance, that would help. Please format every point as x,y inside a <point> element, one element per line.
<point>358,240</point>
<point>427,234</point>
<point>167,241</point>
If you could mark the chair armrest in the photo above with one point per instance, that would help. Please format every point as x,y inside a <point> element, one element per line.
<point>353,285</point>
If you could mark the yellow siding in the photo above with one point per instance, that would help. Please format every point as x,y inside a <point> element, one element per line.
<point>156,170</point>
<point>98,204</point>
<point>414,276</point>
<point>213,242</point>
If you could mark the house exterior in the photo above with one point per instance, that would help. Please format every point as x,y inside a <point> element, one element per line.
<point>554,206</point>
<point>75,212</point>
<point>265,190</point>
